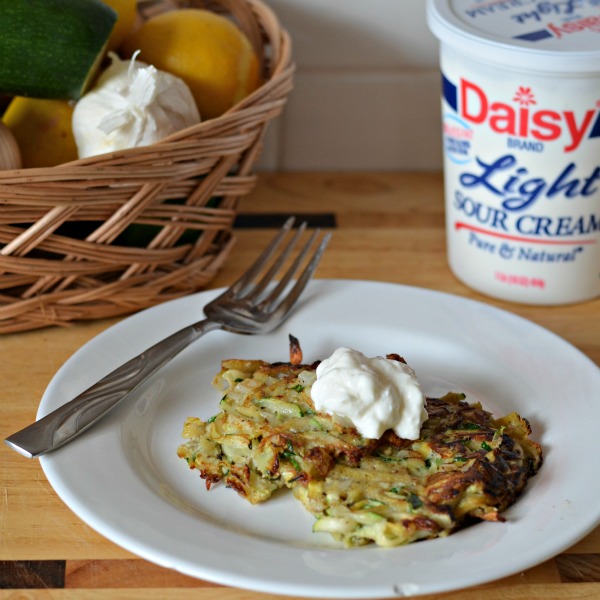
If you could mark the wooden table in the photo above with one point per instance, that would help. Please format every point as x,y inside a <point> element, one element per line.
<point>382,223</point>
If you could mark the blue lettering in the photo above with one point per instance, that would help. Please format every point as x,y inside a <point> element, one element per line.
<point>587,189</point>
<point>563,184</point>
<point>472,180</point>
<point>497,6</point>
<point>564,7</point>
<point>482,213</point>
<point>526,145</point>
<point>505,179</point>
<point>533,225</point>
<point>529,192</point>
<point>565,226</point>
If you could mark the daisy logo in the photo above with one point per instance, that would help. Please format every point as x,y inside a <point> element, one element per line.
<point>528,119</point>
<point>524,96</point>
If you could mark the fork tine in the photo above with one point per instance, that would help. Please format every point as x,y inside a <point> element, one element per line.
<point>269,276</point>
<point>242,283</point>
<point>287,277</point>
<point>287,302</point>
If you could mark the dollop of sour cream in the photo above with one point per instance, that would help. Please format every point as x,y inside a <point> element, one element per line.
<point>373,394</point>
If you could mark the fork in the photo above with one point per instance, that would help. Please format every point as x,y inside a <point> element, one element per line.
<point>256,303</point>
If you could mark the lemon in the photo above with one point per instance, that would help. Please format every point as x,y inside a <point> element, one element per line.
<point>206,50</point>
<point>42,129</point>
<point>127,14</point>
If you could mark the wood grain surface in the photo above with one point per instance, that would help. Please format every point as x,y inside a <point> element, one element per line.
<point>388,227</point>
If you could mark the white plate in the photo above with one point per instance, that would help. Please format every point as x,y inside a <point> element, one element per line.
<point>124,479</point>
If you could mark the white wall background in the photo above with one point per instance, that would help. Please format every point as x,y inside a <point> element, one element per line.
<point>366,90</point>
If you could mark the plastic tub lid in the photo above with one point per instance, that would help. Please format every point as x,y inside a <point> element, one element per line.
<point>551,36</point>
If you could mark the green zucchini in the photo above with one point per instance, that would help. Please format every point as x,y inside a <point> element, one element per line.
<point>52,48</point>
<point>281,407</point>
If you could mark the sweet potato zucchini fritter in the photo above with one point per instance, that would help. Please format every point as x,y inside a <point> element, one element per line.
<point>465,466</point>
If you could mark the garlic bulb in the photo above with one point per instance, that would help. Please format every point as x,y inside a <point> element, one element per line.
<point>132,104</point>
<point>10,154</point>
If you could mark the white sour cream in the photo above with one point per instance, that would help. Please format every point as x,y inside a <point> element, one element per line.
<point>374,394</point>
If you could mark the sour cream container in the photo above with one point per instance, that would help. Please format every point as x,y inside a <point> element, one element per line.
<point>521,137</point>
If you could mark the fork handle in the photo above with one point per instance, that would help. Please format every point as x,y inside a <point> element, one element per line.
<point>68,421</point>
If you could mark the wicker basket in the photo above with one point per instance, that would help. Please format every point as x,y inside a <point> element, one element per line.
<point>62,255</point>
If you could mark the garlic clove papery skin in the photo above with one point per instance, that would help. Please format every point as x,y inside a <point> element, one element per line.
<point>131,105</point>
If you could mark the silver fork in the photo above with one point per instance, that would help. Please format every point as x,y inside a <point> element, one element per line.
<point>253,304</point>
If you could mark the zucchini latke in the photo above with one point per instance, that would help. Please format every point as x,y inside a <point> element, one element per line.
<point>466,466</point>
